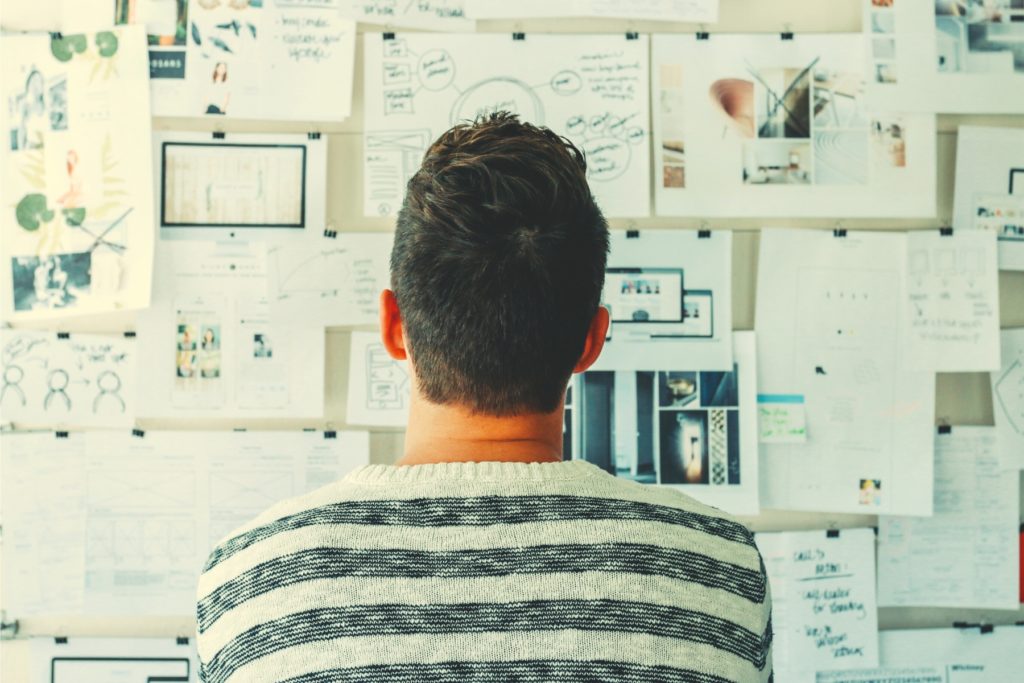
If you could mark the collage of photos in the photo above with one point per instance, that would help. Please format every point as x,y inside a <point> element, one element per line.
<point>882,18</point>
<point>669,427</point>
<point>197,352</point>
<point>979,36</point>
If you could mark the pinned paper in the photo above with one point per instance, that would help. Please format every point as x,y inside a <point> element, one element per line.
<point>781,418</point>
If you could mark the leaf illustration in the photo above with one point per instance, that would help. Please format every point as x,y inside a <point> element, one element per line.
<point>32,211</point>
<point>252,29</point>
<point>195,34</point>
<point>106,43</point>
<point>217,42</point>
<point>74,217</point>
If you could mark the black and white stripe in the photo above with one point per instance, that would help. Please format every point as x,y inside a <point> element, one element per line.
<point>483,511</point>
<point>554,615</point>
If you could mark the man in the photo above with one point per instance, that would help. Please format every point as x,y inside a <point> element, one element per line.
<point>481,556</point>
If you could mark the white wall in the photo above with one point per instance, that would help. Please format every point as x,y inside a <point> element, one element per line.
<point>963,399</point>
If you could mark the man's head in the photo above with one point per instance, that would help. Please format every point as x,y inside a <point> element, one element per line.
<point>497,269</point>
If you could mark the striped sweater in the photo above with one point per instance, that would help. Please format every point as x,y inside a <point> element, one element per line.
<point>486,572</point>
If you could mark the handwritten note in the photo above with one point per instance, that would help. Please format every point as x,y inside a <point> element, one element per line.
<point>435,15</point>
<point>781,418</point>
<point>1008,400</point>
<point>953,301</point>
<point>823,592</point>
<point>966,554</point>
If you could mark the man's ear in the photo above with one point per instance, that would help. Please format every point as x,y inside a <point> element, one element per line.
<point>595,340</point>
<point>391,332</point>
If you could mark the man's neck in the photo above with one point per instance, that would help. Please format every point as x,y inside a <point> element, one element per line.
<point>438,434</point>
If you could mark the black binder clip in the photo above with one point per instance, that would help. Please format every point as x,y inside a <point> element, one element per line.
<point>60,435</point>
<point>218,135</point>
<point>139,433</point>
<point>518,35</point>
<point>60,640</point>
<point>63,335</point>
<point>313,136</point>
<point>56,35</point>
<point>832,533</point>
<point>330,434</point>
<point>986,628</point>
<point>331,234</point>
<point>181,640</point>
<point>945,429</point>
<point>129,334</point>
<point>946,232</point>
<point>9,629</point>
<point>839,232</point>
<point>632,35</point>
<point>703,35</point>
<point>786,35</point>
<point>703,234</point>
<point>389,35</point>
<point>632,234</point>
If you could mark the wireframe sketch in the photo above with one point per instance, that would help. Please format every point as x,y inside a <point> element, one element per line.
<point>131,660</point>
<point>387,381</point>
<point>417,87</point>
<point>78,380</point>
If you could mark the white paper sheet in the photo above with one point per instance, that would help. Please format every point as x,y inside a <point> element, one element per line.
<point>1008,400</point>
<point>240,186</point>
<point>79,380</point>
<point>211,346</point>
<point>56,15</point>
<point>378,387</point>
<point>824,613</point>
<point>111,523</point>
<point>77,222</point>
<point>431,15</point>
<point>653,10</point>
<point>830,324</point>
<point>591,88</point>
<point>693,430</point>
<point>967,554</point>
<point>953,301</point>
<point>962,56</point>
<point>771,127</point>
<point>113,660</point>
<point>782,418</point>
<point>271,60</point>
<point>669,294</point>
<point>331,280</point>
<point>949,655</point>
<point>990,187</point>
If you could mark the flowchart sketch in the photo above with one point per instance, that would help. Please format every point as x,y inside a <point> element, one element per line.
<point>591,89</point>
<point>378,385</point>
<point>1008,400</point>
<point>81,380</point>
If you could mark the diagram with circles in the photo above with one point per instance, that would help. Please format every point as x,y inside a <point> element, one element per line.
<point>591,89</point>
<point>74,380</point>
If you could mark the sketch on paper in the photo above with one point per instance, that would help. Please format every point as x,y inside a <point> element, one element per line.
<point>336,281</point>
<point>388,385</point>
<point>252,59</point>
<point>79,380</point>
<point>693,429</point>
<point>1008,400</point>
<point>579,86</point>
<point>77,174</point>
<point>378,386</point>
<point>786,125</point>
<point>433,15</point>
<point>78,660</point>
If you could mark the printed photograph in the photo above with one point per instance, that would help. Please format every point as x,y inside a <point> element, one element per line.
<point>719,389</point>
<point>673,149</point>
<point>677,389</point>
<point>883,22</point>
<point>882,3</point>
<point>980,36</point>
<point>782,102</point>
<point>617,423</point>
<point>261,347</point>
<point>841,157</point>
<point>684,446</point>
<point>776,162</point>
<point>885,72</point>
<point>186,352</point>
<point>49,282</point>
<point>871,492</point>
<point>27,112</point>
<point>888,144</point>
<point>209,352</point>
<point>166,21</point>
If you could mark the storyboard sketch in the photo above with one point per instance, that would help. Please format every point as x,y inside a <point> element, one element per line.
<point>946,56</point>
<point>654,10</point>
<point>953,300</point>
<point>113,660</point>
<point>969,654</point>
<point>80,380</point>
<point>990,186</point>
<point>76,173</point>
<point>824,612</point>
<point>694,430</point>
<point>247,59</point>
<point>669,296</point>
<point>591,88</point>
<point>242,186</point>
<point>430,15</point>
<point>330,281</point>
<point>378,386</point>
<point>213,348</point>
<point>966,554</point>
<point>771,127</point>
<point>117,523</point>
<point>1008,400</point>
<point>831,328</point>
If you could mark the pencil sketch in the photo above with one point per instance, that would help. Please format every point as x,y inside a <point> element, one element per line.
<point>387,381</point>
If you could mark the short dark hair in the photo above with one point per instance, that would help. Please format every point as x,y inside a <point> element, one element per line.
<point>498,266</point>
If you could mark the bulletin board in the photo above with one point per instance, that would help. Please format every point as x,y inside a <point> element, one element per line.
<point>962,399</point>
